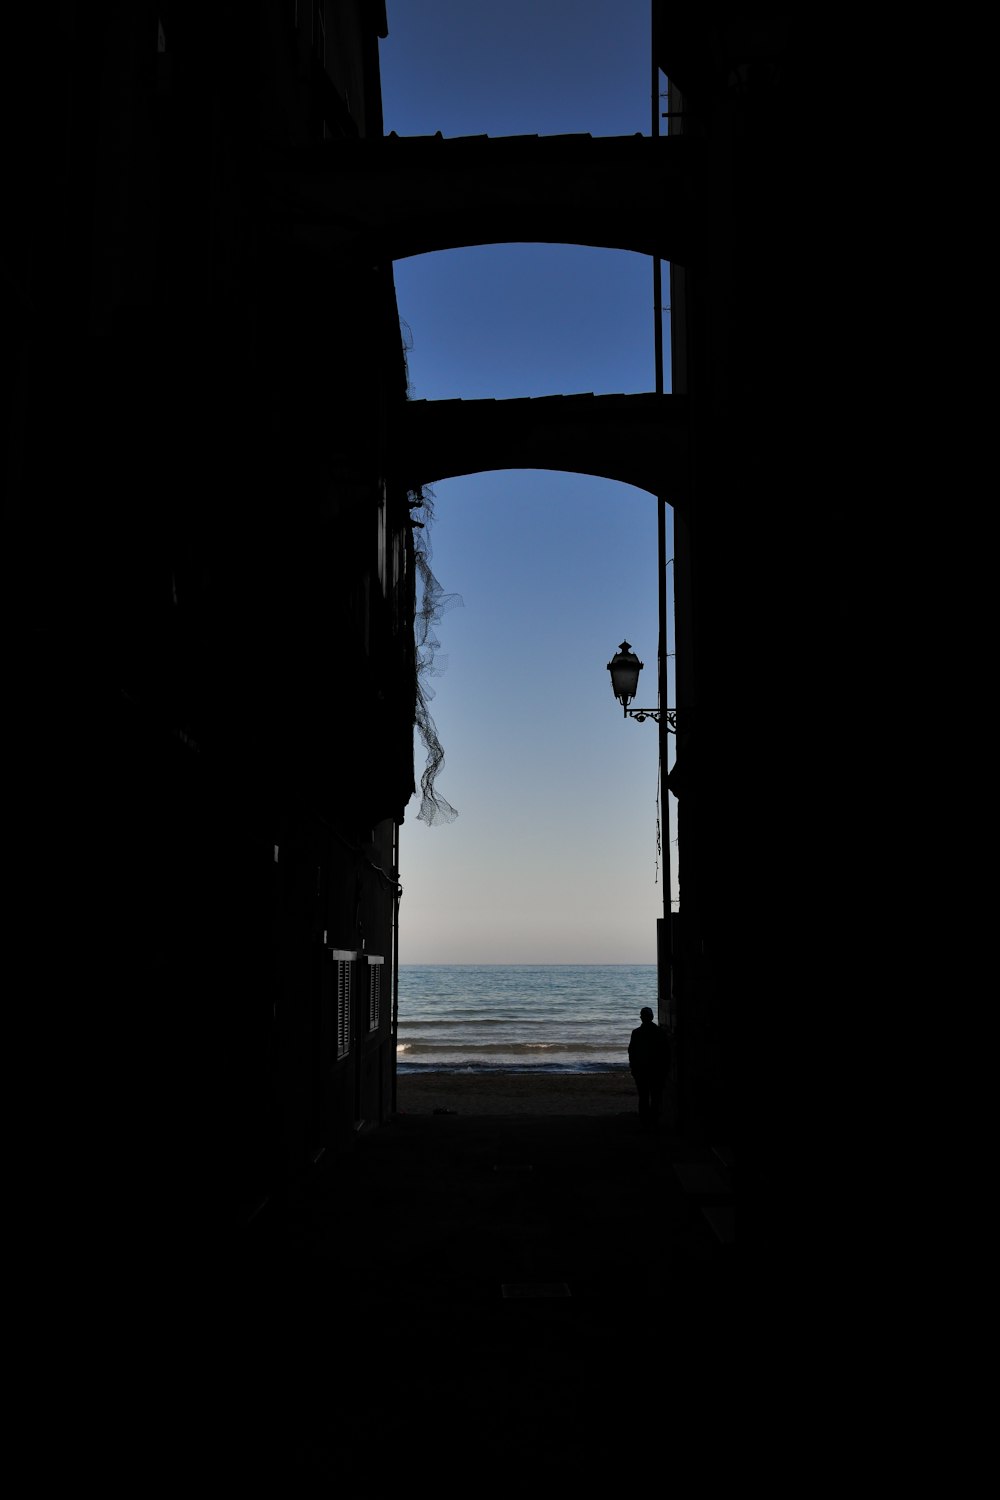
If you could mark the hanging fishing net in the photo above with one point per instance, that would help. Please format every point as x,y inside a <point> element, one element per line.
<point>431,603</point>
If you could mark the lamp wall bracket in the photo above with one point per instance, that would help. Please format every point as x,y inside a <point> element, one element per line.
<point>668,714</point>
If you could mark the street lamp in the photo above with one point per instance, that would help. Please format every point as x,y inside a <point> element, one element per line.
<point>625,667</point>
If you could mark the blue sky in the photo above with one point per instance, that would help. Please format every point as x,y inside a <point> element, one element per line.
<point>552,858</point>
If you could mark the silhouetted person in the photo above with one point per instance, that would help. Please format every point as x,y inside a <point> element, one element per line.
<point>649,1064</point>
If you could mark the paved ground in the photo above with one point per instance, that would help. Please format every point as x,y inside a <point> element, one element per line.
<point>488,1304</point>
<point>484,1209</point>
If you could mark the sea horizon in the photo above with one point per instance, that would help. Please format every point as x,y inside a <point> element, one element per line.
<point>520,1017</point>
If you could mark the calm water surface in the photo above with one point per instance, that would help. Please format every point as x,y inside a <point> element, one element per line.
<point>552,1018</point>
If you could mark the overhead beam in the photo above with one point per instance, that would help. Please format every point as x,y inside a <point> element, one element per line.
<point>395,197</point>
<point>636,439</point>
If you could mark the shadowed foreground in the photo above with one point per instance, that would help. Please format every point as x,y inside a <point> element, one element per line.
<point>462,1207</point>
<point>511,1281</point>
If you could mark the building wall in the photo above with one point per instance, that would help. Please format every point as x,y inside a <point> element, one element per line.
<point>211,667</point>
<point>763,570</point>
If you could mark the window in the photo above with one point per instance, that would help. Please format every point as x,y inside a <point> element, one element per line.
<point>343,1008</point>
<point>343,973</point>
<point>374,991</point>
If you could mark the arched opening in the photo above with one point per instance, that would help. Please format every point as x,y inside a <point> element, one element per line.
<point>553,855</point>
<point>556,857</point>
<point>493,322</point>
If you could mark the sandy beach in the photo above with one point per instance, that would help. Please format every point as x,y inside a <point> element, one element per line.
<point>516,1093</point>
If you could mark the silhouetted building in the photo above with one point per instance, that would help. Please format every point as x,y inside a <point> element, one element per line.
<point>211,602</point>
<point>765,574</point>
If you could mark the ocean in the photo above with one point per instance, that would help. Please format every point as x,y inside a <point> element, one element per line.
<point>520,1018</point>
